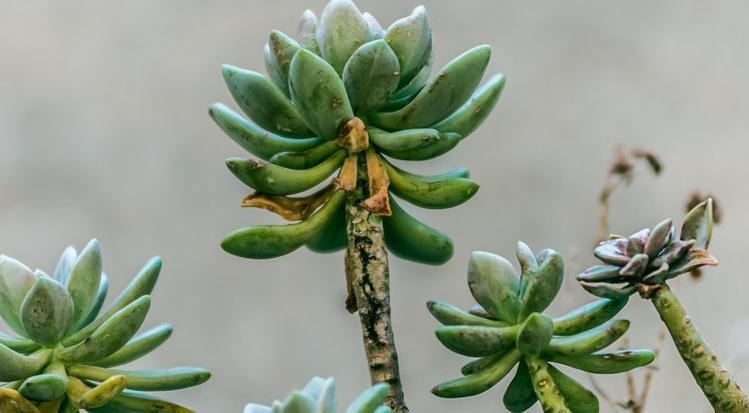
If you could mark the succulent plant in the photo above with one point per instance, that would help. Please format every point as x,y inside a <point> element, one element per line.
<point>64,356</point>
<point>650,257</point>
<point>508,328</point>
<point>318,396</point>
<point>348,95</point>
<point>644,262</point>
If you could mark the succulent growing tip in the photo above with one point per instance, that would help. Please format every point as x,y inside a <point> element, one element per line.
<point>648,258</point>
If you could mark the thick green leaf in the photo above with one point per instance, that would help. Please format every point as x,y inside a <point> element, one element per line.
<point>607,363</point>
<point>472,114</point>
<point>588,316</point>
<point>477,341</point>
<point>408,238</point>
<point>441,191</point>
<point>282,49</point>
<point>319,94</point>
<point>276,180</point>
<point>576,397</point>
<point>141,285</point>
<point>535,334</point>
<point>698,224</point>
<point>307,32</point>
<point>494,284</point>
<point>16,280</point>
<point>538,288</point>
<point>15,366</point>
<point>369,400</point>
<point>271,241</point>
<point>254,139</point>
<point>450,315</point>
<point>411,40</point>
<point>480,381</point>
<point>146,380</point>
<point>137,347</point>
<point>47,311</point>
<point>264,102</point>
<point>444,94</point>
<point>371,76</point>
<point>519,395</point>
<point>84,280</point>
<point>342,29</point>
<point>589,341</point>
<point>111,336</point>
<point>64,265</point>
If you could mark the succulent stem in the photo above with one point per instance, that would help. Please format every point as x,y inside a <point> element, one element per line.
<point>723,393</point>
<point>545,387</point>
<point>369,290</point>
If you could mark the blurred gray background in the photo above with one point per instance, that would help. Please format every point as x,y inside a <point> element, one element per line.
<point>104,133</point>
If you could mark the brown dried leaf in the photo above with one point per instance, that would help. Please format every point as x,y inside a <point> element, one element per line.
<point>353,136</point>
<point>379,197</point>
<point>651,157</point>
<point>346,179</point>
<point>290,208</point>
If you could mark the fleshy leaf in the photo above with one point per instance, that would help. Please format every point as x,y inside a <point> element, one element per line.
<point>535,334</point>
<point>16,280</point>
<point>319,94</point>
<point>538,288</point>
<point>47,311</point>
<point>83,283</point>
<point>494,284</point>
<point>342,29</point>
<point>698,224</point>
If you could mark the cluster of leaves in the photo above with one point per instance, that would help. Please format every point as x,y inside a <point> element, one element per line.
<point>318,396</point>
<point>348,95</point>
<point>508,328</point>
<point>63,358</point>
<point>650,257</point>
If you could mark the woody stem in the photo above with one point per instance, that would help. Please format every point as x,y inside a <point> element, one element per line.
<point>369,290</point>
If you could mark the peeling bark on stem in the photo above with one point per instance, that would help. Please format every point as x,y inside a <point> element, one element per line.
<point>721,390</point>
<point>369,291</point>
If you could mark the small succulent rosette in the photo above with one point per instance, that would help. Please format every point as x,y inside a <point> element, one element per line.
<point>649,257</point>
<point>318,396</point>
<point>346,98</point>
<point>63,357</point>
<point>507,328</point>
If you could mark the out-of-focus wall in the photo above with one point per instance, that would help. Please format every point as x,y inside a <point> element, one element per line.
<point>104,133</point>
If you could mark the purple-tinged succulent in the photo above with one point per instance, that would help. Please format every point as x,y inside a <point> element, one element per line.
<point>650,257</point>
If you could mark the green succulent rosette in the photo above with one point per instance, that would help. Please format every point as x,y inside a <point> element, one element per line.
<point>349,95</point>
<point>318,396</point>
<point>649,257</point>
<point>508,328</point>
<point>64,356</point>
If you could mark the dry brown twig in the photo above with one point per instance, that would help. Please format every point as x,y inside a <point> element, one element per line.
<point>636,402</point>
<point>622,172</point>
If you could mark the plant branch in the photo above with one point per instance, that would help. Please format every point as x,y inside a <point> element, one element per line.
<point>601,392</point>
<point>369,290</point>
<point>716,383</point>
